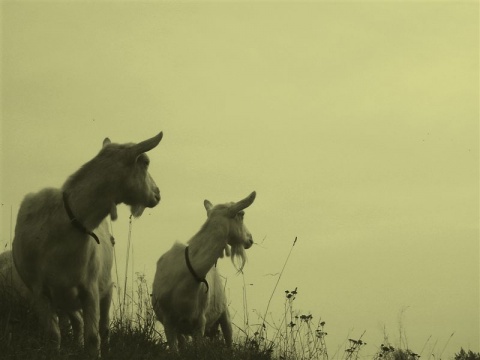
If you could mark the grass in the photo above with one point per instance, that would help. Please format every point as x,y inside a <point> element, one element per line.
<point>135,333</point>
<point>131,337</point>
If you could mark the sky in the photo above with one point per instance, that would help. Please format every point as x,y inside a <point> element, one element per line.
<point>357,124</point>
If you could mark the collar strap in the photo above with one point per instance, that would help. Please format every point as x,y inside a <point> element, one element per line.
<point>194,274</point>
<point>75,222</point>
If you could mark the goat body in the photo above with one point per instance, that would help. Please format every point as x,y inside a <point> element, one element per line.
<point>60,277</point>
<point>181,303</point>
<point>184,304</point>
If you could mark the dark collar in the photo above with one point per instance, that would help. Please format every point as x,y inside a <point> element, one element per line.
<point>75,222</point>
<point>194,274</point>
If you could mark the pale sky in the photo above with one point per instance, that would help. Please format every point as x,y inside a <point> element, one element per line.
<point>357,123</point>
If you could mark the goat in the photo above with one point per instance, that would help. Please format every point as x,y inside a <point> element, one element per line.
<point>188,296</point>
<point>11,286</point>
<point>52,248</point>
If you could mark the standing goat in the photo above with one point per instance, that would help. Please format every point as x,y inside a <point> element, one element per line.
<point>53,250</point>
<point>188,295</point>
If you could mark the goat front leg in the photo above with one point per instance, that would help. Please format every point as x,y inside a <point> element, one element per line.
<point>105,317</point>
<point>226,325</point>
<point>73,320</point>
<point>91,318</point>
<point>172,336</point>
<point>49,320</point>
<point>76,321</point>
<point>199,331</point>
<point>182,341</point>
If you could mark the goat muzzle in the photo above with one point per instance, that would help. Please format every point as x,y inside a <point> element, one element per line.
<point>249,244</point>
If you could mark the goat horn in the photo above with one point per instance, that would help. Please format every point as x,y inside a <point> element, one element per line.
<point>146,145</point>
<point>242,204</point>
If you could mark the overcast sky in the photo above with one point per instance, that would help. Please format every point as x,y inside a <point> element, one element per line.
<point>356,123</point>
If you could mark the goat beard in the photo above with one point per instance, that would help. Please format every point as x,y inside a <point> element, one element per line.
<point>238,257</point>
<point>137,210</point>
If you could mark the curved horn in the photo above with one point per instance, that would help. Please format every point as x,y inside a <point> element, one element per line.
<point>146,145</point>
<point>242,204</point>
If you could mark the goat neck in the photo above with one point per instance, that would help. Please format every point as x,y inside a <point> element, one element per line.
<point>90,205</point>
<point>206,247</point>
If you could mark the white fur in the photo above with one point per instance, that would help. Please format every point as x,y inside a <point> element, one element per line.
<point>64,268</point>
<point>181,303</point>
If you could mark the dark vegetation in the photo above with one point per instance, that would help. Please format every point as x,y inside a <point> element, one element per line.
<point>135,334</point>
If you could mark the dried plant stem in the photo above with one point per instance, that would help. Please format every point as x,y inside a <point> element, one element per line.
<point>276,284</point>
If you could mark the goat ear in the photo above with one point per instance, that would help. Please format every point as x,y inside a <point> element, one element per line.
<point>106,142</point>
<point>242,204</point>
<point>208,205</point>
<point>145,145</point>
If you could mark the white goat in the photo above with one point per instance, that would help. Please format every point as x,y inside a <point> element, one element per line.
<point>53,249</point>
<point>188,295</point>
